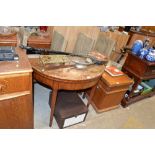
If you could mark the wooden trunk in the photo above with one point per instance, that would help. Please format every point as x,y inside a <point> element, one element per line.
<point>110,91</point>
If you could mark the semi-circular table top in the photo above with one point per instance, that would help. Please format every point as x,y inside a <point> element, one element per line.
<point>68,72</point>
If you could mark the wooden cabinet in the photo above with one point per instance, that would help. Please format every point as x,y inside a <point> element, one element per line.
<point>8,41</point>
<point>138,69</point>
<point>40,41</point>
<point>16,105</point>
<point>110,91</point>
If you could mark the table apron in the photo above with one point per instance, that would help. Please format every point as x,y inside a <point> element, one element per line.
<point>66,85</point>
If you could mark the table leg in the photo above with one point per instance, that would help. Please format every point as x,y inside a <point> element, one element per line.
<point>135,85</point>
<point>53,101</point>
<point>91,95</point>
<point>127,101</point>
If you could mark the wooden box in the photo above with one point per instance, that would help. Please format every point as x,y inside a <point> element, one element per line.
<point>69,109</point>
<point>110,91</point>
<point>40,41</point>
<point>8,41</point>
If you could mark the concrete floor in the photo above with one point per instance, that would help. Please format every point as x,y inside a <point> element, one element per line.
<point>136,116</point>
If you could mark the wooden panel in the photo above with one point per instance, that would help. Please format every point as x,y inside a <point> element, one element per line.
<point>83,44</point>
<point>8,41</point>
<point>134,63</point>
<point>40,41</point>
<point>14,83</point>
<point>70,34</point>
<point>120,39</point>
<point>57,41</point>
<point>16,113</point>
<point>104,44</point>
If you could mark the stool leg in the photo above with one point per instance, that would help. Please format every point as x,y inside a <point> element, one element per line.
<point>53,101</point>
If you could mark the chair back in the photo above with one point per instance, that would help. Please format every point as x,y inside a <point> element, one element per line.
<point>83,44</point>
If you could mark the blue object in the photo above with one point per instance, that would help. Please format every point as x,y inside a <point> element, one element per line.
<point>151,56</point>
<point>143,52</point>
<point>138,44</point>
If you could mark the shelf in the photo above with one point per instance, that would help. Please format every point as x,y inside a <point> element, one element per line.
<point>126,102</point>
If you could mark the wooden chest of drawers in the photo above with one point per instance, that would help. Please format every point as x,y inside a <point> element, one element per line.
<point>16,105</point>
<point>110,91</point>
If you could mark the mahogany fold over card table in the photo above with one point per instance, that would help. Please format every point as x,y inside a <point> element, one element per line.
<point>66,78</point>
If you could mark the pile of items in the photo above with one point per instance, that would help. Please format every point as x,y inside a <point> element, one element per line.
<point>143,50</point>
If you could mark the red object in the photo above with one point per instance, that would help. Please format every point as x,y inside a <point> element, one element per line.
<point>113,71</point>
<point>43,28</point>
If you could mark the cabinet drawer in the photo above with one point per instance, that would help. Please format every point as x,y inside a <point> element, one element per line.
<point>14,83</point>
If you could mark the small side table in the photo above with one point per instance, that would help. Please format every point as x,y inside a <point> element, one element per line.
<point>40,41</point>
<point>138,69</point>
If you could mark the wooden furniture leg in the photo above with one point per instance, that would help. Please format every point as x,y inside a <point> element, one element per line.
<point>137,82</point>
<point>53,101</point>
<point>127,101</point>
<point>91,95</point>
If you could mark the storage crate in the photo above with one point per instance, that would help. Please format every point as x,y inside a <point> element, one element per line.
<point>69,109</point>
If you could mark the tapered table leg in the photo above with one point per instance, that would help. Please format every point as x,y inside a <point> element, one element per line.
<point>53,101</point>
<point>91,95</point>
